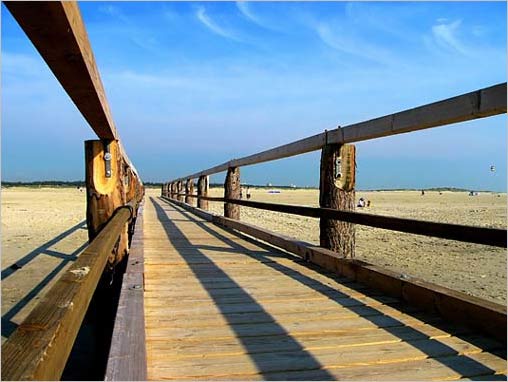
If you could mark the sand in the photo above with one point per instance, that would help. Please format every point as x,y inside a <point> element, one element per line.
<point>42,230</point>
<point>45,227</point>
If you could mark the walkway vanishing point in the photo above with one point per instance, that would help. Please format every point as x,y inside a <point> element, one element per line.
<point>204,296</point>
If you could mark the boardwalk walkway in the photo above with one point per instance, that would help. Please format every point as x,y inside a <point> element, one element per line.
<point>219,305</point>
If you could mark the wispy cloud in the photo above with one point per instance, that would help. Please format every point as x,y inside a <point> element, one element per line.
<point>246,10</point>
<point>445,35</point>
<point>207,21</point>
<point>340,40</point>
<point>113,11</point>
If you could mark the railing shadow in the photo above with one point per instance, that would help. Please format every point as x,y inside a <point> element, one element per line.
<point>43,249</point>
<point>8,326</point>
<point>304,357</point>
<point>390,324</point>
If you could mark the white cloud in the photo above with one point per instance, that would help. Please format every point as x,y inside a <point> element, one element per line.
<point>340,40</point>
<point>445,36</point>
<point>246,10</point>
<point>212,25</point>
<point>114,12</point>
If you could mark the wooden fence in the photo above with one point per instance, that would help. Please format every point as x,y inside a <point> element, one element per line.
<point>336,211</point>
<point>40,346</point>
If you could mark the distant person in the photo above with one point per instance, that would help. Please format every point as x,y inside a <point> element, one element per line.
<point>423,192</point>
<point>368,203</point>
<point>248,193</point>
<point>361,203</point>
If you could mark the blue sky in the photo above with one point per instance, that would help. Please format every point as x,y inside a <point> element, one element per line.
<point>194,84</point>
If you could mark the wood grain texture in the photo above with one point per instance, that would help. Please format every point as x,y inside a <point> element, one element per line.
<point>203,185</point>
<point>484,316</point>
<point>127,355</point>
<point>40,346</point>
<point>223,306</point>
<point>232,189</point>
<point>104,194</point>
<point>336,191</point>
<point>58,33</point>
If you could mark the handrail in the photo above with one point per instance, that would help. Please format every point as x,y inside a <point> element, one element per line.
<point>469,234</point>
<point>57,31</point>
<point>481,103</point>
<point>38,349</point>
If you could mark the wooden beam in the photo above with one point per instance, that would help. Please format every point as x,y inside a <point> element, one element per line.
<point>470,234</point>
<point>127,354</point>
<point>58,33</point>
<point>477,104</point>
<point>337,191</point>
<point>482,315</point>
<point>40,346</point>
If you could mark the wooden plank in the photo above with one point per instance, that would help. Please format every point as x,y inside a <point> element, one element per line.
<point>127,355</point>
<point>483,315</point>
<point>330,358</point>
<point>440,369</point>
<point>470,234</point>
<point>40,346</point>
<point>477,104</point>
<point>58,33</point>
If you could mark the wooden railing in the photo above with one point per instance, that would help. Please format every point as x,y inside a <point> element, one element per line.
<point>337,215</point>
<point>38,349</point>
<point>337,173</point>
<point>40,346</point>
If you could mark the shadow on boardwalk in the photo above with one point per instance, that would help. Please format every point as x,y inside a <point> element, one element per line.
<point>433,348</point>
<point>304,357</point>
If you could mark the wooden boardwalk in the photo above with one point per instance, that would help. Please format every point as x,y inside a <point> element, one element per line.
<point>219,305</point>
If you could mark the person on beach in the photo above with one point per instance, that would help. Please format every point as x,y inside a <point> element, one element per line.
<point>361,203</point>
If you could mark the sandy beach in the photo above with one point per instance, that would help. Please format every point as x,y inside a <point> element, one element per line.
<point>43,229</point>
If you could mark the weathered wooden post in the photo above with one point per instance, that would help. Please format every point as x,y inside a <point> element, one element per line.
<point>105,191</point>
<point>179,191</point>
<point>203,184</point>
<point>232,191</point>
<point>173,190</point>
<point>189,190</point>
<point>337,191</point>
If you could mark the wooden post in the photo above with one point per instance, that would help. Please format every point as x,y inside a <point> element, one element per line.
<point>180,190</point>
<point>105,190</point>
<point>203,184</point>
<point>232,191</point>
<point>172,192</point>
<point>337,190</point>
<point>189,190</point>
